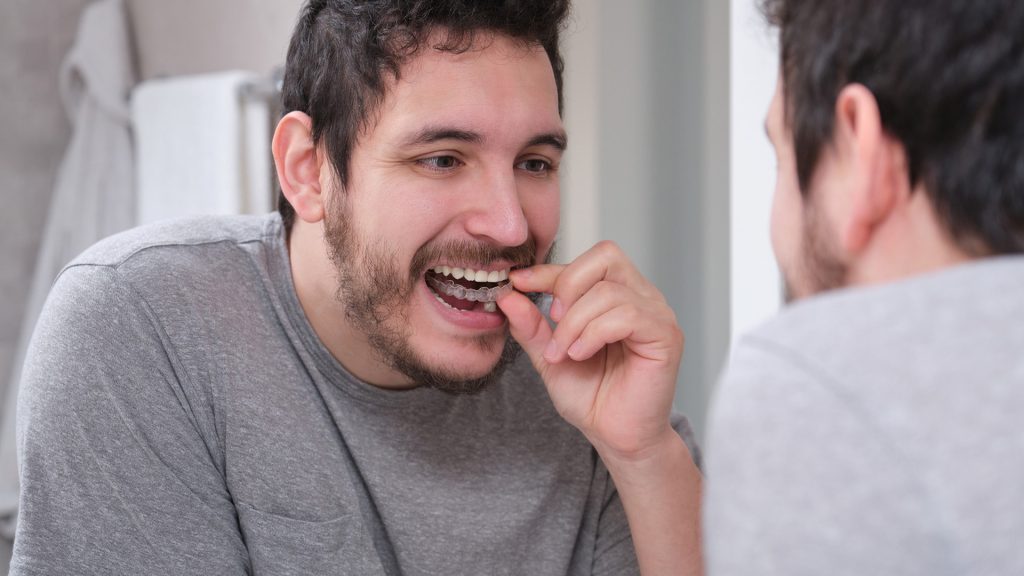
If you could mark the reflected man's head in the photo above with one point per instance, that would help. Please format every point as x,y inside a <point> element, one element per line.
<point>887,102</point>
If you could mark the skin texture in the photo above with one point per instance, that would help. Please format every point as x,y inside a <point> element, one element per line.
<point>611,364</point>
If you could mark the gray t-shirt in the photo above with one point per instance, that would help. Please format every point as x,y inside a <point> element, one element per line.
<point>876,431</point>
<point>179,416</point>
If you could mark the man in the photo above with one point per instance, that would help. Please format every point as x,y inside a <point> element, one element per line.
<point>874,426</point>
<point>333,390</point>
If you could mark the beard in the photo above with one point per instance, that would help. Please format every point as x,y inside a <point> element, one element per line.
<point>376,296</point>
<point>820,266</point>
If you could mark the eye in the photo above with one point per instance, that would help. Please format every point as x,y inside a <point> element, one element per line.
<point>440,163</point>
<point>535,166</point>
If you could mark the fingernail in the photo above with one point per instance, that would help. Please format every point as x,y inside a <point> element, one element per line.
<point>551,352</point>
<point>556,310</point>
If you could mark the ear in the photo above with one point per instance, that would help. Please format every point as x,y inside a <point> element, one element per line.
<point>298,166</point>
<point>876,167</point>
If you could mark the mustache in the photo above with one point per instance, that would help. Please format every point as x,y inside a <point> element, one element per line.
<point>455,250</point>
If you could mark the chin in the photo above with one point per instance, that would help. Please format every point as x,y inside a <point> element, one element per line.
<point>464,357</point>
<point>461,368</point>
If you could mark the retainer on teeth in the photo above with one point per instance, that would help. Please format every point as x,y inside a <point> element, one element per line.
<point>451,288</point>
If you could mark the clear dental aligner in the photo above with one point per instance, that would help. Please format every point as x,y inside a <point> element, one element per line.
<point>451,288</point>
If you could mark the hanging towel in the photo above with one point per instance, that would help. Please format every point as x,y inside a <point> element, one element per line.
<point>93,195</point>
<point>202,146</point>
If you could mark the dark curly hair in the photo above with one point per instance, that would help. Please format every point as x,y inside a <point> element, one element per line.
<point>948,76</point>
<point>343,51</point>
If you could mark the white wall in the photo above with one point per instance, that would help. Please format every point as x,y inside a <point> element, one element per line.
<point>647,115</point>
<point>581,210</point>
<point>756,289</point>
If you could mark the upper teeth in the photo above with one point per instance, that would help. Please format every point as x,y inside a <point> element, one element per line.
<point>473,275</point>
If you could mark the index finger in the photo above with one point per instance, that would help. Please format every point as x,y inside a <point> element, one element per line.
<point>539,278</point>
<point>603,262</point>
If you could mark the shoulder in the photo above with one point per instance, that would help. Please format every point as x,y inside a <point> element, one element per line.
<point>978,293</point>
<point>161,241</point>
<point>861,397</point>
<point>179,262</point>
<point>892,344</point>
<point>112,301</point>
<point>94,345</point>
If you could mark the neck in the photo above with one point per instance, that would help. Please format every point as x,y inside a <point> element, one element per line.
<point>316,281</point>
<point>910,242</point>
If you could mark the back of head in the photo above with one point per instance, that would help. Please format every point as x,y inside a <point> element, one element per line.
<point>343,53</point>
<point>948,76</point>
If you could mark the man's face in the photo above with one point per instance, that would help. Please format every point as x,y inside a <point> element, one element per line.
<point>457,173</point>
<point>803,238</point>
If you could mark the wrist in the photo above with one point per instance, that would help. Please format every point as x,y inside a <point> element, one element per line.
<point>650,450</point>
<point>660,489</point>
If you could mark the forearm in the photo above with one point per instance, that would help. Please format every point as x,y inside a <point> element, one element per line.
<point>661,493</point>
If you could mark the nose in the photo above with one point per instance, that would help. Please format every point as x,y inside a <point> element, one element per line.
<point>497,213</point>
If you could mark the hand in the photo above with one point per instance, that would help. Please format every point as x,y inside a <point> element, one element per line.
<point>610,365</point>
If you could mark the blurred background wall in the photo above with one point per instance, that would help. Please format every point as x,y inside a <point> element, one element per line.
<point>647,113</point>
<point>34,37</point>
<point>664,104</point>
<point>34,132</point>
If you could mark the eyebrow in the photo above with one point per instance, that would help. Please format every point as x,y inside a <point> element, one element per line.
<point>433,134</point>
<point>557,140</point>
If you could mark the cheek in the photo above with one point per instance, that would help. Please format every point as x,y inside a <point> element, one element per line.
<point>404,214</point>
<point>542,210</point>
<point>786,220</point>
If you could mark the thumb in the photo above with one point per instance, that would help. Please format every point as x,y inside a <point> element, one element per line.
<point>528,326</point>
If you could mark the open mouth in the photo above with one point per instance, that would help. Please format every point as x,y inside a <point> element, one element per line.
<point>466,289</point>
